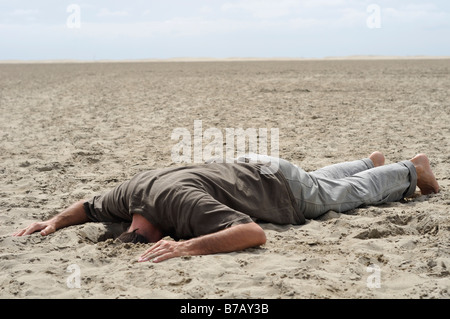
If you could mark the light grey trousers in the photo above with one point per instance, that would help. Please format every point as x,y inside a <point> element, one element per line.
<point>345,186</point>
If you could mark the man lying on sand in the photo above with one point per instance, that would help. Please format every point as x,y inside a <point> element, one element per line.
<point>215,206</point>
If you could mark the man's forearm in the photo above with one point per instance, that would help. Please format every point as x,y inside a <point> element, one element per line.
<point>231,239</point>
<point>73,215</point>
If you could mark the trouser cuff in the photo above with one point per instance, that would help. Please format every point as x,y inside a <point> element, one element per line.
<point>412,178</point>
<point>368,163</point>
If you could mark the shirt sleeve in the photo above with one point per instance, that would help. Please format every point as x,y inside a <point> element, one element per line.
<point>205,215</point>
<point>108,207</point>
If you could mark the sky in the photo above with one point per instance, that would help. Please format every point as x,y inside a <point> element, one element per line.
<point>162,29</point>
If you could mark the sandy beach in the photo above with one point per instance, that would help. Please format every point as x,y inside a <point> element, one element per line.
<point>72,130</point>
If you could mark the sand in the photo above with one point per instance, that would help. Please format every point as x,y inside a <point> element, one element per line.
<point>72,130</point>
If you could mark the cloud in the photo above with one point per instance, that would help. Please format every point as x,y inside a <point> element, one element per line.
<point>272,9</point>
<point>22,13</point>
<point>107,13</point>
<point>263,9</point>
<point>417,14</point>
<point>19,15</point>
<point>170,28</point>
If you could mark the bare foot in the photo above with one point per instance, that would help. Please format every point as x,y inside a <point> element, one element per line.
<point>377,159</point>
<point>425,177</point>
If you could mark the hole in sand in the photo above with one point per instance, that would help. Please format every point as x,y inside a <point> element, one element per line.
<point>99,232</point>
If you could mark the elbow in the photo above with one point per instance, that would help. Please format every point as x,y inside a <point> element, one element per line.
<point>250,235</point>
<point>263,238</point>
<point>259,236</point>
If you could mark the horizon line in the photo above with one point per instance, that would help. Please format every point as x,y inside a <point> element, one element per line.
<point>228,59</point>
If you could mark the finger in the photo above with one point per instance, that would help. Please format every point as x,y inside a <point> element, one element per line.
<point>148,252</point>
<point>47,230</point>
<point>161,249</point>
<point>159,255</point>
<point>19,232</point>
<point>163,257</point>
<point>151,255</point>
<point>154,248</point>
<point>146,258</point>
<point>33,228</point>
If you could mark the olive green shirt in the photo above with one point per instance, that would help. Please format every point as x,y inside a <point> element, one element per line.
<point>187,202</point>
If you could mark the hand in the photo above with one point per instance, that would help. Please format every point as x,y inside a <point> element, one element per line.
<point>163,250</point>
<point>45,228</point>
<point>73,215</point>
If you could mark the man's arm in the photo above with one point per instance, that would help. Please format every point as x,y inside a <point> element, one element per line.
<point>73,215</point>
<point>228,240</point>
